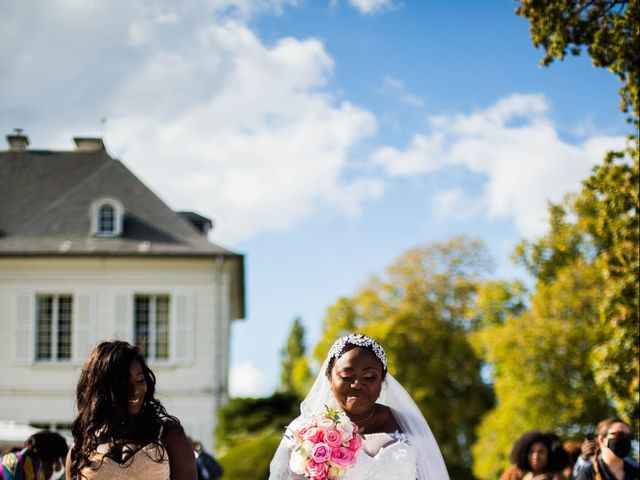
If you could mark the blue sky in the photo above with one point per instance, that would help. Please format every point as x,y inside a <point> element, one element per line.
<point>324,137</point>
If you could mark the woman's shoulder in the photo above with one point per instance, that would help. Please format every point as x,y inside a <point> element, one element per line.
<point>631,468</point>
<point>586,472</point>
<point>171,425</point>
<point>171,429</point>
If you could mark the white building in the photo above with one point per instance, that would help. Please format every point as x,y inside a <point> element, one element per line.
<point>89,253</point>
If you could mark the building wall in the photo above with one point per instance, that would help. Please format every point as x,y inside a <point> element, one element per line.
<point>191,385</point>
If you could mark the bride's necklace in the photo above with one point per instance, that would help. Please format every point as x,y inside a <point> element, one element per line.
<point>362,420</point>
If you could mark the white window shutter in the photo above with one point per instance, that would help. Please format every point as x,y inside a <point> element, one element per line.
<point>123,317</point>
<point>23,319</point>
<point>184,331</point>
<point>84,325</point>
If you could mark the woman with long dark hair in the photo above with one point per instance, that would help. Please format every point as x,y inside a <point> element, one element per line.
<point>121,430</point>
<point>537,456</point>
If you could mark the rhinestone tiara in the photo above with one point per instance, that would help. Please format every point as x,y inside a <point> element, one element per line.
<point>359,340</point>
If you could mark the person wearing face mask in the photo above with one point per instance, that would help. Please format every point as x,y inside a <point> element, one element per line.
<point>42,458</point>
<point>613,443</point>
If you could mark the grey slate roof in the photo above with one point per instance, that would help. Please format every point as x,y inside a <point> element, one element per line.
<point>45,199</point>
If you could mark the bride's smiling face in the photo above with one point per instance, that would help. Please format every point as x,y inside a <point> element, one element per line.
<point>356,381</point>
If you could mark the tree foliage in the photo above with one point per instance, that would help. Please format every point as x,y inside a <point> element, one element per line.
<point>608,212</point>
<point>420,312</point>
<point>496,300</point>
<point>541,372</point>
<point>600,227</point>
<point>245,417</point>
<point>295,374</point>
<point>249,431</point>
<point>609,29</point>
<point>249,459</point>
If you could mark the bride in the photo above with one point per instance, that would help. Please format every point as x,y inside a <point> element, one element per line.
<point>398,443</point>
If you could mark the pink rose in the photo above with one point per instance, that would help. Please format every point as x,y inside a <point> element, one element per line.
<point>321,452</point>
<point>332,438</point>
<point>355,443</point>
<point>342,457</point>
<point>346,431</point>
<point>325,422</point>
<point>312,433</point>
<point>317,471</point>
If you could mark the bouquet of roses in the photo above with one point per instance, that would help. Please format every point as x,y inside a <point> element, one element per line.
<point>324,446</point>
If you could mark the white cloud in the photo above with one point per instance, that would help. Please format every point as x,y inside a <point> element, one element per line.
<point>396,88</point>
<point>210,117</point>
<point>515,146</point>
<point>264,145</point>
<point>245,380</point>
<point>456,204</point>
<point>216,121</point>
<point>250,7</point>
<point>372,6</point>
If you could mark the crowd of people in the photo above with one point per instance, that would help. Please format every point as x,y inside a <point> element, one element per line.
<point>602,456</point>
<point>122,431</point>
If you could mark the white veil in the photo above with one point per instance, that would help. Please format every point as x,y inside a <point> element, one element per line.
<point>429,459</point>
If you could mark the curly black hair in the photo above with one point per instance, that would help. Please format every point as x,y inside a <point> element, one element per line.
<point>102,398</point>
<point>47,445</point>
<point>556,460</point>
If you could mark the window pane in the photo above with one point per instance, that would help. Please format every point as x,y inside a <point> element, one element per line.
<point>64,327</point>
<point>106,219</point>
<point>162,327</point>
<point>44,311</point>
<point>141,322</point>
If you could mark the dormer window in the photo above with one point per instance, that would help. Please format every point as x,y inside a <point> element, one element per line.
<point>106,217</point>
<point>106,220</point>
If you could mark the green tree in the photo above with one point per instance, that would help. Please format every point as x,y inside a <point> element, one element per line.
<point>249,431</point>
<point>607,210</point>
<point>250,459</point>
<point>604,233</point>
<point>295,374</point>
<point>541,372</point>
<point>609,29</point>
<point>242,418</point>
<point>420,312</point>
<point>496,300</point>
<point>340,319</point>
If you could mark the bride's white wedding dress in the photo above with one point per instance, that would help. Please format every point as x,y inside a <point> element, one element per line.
<point>384,456</point>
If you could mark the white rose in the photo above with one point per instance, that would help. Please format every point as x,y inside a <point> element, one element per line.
<point>305,448</point>
<point>297,463</point>
<point>325,423</point>
<point>346,431</point>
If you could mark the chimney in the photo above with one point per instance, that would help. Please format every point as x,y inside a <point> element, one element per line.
<point>88,144</point>
<point>17,140</point>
